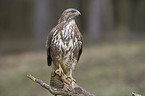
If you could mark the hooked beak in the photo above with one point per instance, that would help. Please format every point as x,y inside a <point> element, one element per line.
<point>78,13</point>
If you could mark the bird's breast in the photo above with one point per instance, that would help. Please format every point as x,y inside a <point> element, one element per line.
<point>65,44</point>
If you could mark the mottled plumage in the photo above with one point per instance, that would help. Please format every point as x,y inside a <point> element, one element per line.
<point>64,46</point>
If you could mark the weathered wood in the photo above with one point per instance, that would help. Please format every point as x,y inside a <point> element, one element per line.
<point>63,92</point>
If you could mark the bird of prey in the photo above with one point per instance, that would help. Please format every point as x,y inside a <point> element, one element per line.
<point>64,46</point>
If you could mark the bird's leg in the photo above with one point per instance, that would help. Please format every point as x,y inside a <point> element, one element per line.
<point>59,71</point>
<point>70,76</point>
<point>69,79</point>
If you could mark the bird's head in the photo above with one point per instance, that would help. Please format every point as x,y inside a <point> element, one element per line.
<point>70,14</point>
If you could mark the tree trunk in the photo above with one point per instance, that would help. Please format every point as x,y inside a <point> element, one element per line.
<point>44,13</point>
<point>94,23</point>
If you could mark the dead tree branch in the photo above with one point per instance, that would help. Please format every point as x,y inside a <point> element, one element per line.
<point>59,92</point>
<point>49,88</point>
<point>63,91</point>
<point>135,94</point>
<point>72,88</point>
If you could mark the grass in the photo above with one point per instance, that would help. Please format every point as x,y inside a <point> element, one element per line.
<point>105,70</point>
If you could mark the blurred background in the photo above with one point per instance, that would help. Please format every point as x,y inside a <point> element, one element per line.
<point>113,59</point>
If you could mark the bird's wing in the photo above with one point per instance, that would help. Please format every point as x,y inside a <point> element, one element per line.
<point>80,52</point>
<point>48,43</point>
<point>80,42</point>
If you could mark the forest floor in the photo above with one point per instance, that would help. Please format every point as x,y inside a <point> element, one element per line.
<point>104,70</point>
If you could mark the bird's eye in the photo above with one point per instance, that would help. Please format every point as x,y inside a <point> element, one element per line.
<point>73,11</point>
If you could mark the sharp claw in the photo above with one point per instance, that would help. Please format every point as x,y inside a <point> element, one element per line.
<point>67,77</point>
<point>72,79</point>
<point>75,81</point>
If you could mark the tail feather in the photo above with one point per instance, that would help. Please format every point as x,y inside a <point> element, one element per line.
<point>56,81</point>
